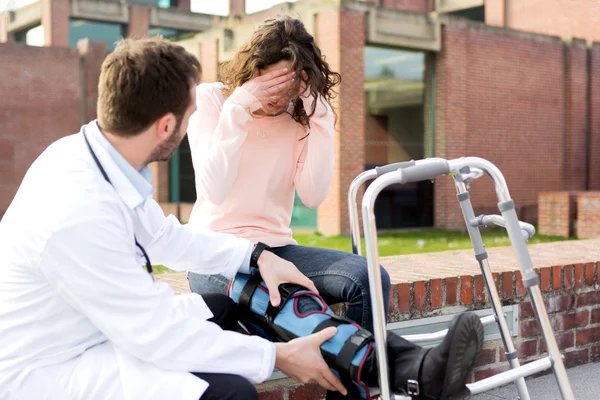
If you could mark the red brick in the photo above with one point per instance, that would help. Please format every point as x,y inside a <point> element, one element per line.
<point>451,291</point>
<point>590,270</point>
<point>595,353</point>
<point>576,357</point>
<point>436,293</point>
<point>275,394</point>
<point>308,391</point>
<point>579,275</point>
<point>55,22</point>
<point>507,285</point>
<point>496,276</point>
<point>403,297</point>
<point>209,57</point>
<point>524,350</point>
<point>596,316</point>
<point>556,277</point>
<point>587,336</point>
<point>526,310</point>
<point>466,290</point>
<point>392,301</point>
<point>139,20</point>
<point>486,373</point>
<point>568,282</point>
<point>418,6</point>
<point>588,299</point>
<point>487,356</point>
<point>44,102</point>
<point>519,288</point>
<point>529,328</point>
<point>545,279</point>
<point>563,341</point>
<point>420,293</point>
<point>560,303</point>
<point>479,289</point>
<point>563,322</point>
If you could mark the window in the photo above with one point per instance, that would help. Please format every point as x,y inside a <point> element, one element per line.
<point>473,13</point>
<point>108,32</point>
<point>170,34</point>
<point>395,131</point>
<point>158,3</point>
<point>33,36</point>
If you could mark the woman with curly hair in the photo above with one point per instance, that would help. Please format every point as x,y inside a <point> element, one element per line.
<point>266,130</point>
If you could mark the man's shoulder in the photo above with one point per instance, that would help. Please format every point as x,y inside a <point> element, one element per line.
<point>66,178</point>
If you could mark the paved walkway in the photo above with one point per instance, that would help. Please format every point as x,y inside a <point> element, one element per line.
<point>584,382</point>
<point>416,267</point>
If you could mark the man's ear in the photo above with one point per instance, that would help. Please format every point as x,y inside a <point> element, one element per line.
<point>165,126</point>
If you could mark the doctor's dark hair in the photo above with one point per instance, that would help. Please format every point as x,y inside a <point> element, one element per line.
<point>283,38</point>
<point>142,81</point>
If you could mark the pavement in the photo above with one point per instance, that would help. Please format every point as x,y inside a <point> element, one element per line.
<point>585,382</point>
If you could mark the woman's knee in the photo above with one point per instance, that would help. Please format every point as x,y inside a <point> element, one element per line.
<point>202,284</point>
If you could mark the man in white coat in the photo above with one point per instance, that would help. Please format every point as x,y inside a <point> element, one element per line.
<point>79,317</point>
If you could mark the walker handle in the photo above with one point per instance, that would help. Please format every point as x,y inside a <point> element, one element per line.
<point>393,167</point>
<point>426,170</point>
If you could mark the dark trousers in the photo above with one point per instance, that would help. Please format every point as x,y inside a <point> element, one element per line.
<point>225,386</point>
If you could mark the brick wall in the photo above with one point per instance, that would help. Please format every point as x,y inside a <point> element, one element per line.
<point>500,97</point>
<point>573,305</point>
<point>139,20</point>
<point>420,6</point>
<point>594,123</point>
<point>575,64</point>
<point>578,18</point>
<point>209,58</point>
<point>327,36</point>
<point>30,104</point>
<point>55,20</point>
<point>570,296</point>
<point>557,210</point>
<point>588,215</point>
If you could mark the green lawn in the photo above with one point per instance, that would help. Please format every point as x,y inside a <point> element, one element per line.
<point>425,241</point>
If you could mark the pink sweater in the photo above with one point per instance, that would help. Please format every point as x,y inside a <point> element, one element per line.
<point>247,166</point>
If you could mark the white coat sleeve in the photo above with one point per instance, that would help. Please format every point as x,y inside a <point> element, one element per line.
<point>183,248</point>
<point>91,264</point>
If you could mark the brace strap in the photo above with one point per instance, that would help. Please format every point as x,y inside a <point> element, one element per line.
<point>247,293</point>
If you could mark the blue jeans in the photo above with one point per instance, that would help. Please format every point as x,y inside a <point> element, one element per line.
<point>339,277</point>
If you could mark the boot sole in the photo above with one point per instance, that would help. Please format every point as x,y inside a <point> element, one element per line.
<point>467,341</point>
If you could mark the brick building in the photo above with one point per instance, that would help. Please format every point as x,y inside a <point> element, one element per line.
<point>423,78</point>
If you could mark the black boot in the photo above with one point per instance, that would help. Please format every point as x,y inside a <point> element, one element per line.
<point>439,373</point>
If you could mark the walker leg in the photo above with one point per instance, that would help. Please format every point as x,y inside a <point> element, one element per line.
<point>482,258</point>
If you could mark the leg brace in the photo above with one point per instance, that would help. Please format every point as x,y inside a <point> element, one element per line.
<point>302,313</point>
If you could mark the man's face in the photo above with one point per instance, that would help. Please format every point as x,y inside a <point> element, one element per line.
<point>164,151</point>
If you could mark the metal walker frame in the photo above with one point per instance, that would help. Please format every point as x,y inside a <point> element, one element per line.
<point>464,171</point>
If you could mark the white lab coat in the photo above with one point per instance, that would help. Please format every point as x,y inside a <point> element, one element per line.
<point>80,318</point>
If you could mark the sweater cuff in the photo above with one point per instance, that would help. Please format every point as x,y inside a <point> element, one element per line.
<point>245,99</point>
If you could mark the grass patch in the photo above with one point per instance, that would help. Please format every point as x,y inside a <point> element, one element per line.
<point>425,241</point>
<point>413,242</point>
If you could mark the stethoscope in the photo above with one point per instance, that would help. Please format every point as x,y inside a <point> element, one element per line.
<point>148,263</point>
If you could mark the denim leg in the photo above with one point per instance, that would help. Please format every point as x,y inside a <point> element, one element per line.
<point>203,284</point>
<point>339,277</point>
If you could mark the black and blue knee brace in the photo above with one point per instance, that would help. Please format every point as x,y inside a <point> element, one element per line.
<point>349,353</point>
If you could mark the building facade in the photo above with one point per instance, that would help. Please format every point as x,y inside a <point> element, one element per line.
<point>420,78</point>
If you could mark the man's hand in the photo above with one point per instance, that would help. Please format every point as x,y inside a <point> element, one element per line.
<point>275,271</point>
<point>301,359</point>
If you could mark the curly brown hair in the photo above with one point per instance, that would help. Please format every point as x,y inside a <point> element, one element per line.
<point>277,39</point>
